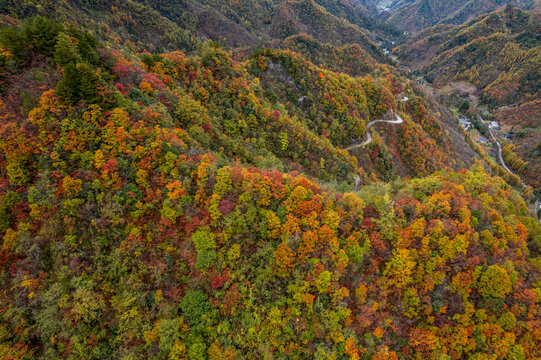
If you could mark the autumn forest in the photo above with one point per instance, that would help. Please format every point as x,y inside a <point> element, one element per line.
<point>301,179</point>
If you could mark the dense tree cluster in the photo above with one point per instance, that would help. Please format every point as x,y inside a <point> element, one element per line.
<point>151,206</point>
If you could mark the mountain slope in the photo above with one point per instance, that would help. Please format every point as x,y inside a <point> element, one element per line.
<point>498,52</point>
<point>420,14</point>
<point>128,231</point>
<point>167,205</point>
<point>157,25</point>
<point>113,21</point>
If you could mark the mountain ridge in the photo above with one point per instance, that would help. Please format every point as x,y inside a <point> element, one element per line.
<point>417,15</point>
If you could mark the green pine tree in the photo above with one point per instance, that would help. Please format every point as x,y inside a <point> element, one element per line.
<point>69,88</point>
<point>43,33</point>
<point>87,82</point>
<point>12,39</point>
<point>65,50</point>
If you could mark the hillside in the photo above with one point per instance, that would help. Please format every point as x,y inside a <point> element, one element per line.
<point>322,110</point>
<point>523,121</point>
<point>499,53</point>
<point>167,197</point>
<point>416,15</point>
<point>349,59</point>
<point>157,25</point>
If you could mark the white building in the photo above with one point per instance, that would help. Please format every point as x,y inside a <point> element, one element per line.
<point>494,125</point>
<point>465,123</point>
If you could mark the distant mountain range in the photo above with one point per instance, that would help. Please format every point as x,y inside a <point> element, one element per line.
<point>164,24</point>
<point>499,52</point>
<point>416,15</point>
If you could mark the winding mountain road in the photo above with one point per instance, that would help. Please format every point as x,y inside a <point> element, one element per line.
<point>500,152</point>
<point>537,205</point>
<point>368,140</point>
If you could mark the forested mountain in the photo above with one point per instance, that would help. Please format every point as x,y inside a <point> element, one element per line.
<point>158,25</point>
<point>499,52</point>
<point>167,197</point>
<point>416,15</point>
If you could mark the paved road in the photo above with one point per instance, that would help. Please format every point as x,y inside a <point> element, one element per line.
<point>357,181</point>
<point>500,153</point>
<point>537,205</point>
<point>368,140</point>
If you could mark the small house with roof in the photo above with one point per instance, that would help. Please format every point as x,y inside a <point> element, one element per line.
<point>494,125</point>
<point>465,123</point>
